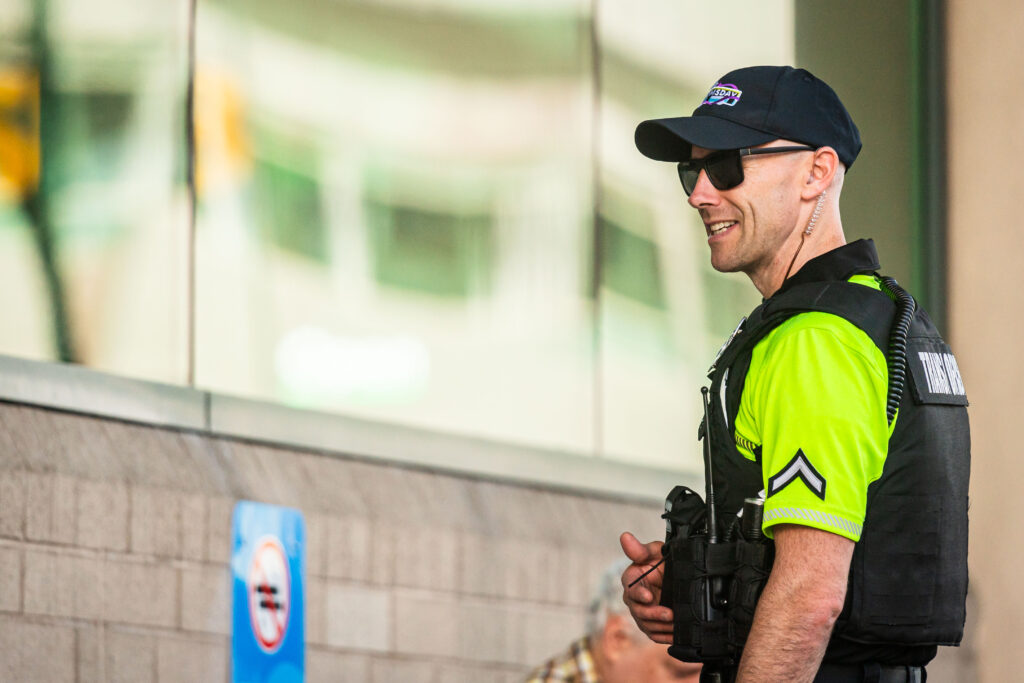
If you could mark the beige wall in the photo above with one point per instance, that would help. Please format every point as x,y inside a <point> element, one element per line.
<point>833,38</point>
<point>986,181</point>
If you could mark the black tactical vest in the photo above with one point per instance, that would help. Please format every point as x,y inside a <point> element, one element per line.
<point>908,577</point>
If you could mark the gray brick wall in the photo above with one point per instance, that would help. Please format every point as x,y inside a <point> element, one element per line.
<point>34,651</point>
<point>115,543</point>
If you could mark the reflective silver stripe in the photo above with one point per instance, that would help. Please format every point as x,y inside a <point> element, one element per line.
<point>721,395</point>
<point>823,518</point>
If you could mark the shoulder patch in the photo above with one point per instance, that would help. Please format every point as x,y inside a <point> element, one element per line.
<point>798,468</point>
<point>935,376</point>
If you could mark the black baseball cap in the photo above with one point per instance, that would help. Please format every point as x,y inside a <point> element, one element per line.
<point>752,106</point>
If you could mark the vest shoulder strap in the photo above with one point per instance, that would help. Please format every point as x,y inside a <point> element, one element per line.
<point>870,310</point>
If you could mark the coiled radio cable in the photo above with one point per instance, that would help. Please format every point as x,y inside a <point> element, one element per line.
<point>906,307</point>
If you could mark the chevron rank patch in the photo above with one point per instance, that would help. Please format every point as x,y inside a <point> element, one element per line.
<point>798,468</point>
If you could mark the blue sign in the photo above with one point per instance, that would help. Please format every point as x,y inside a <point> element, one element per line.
<point>268,643</point>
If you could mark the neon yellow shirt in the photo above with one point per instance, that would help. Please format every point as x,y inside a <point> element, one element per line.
<point>814,404</point>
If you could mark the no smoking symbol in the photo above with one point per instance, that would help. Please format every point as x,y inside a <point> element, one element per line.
<point>269,587</point>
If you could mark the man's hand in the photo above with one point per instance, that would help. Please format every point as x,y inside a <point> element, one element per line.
<point>642,599</point>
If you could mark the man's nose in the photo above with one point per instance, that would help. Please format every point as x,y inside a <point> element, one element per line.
<point>704,193</point>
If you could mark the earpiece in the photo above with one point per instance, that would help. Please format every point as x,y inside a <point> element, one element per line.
<point>817,212</point>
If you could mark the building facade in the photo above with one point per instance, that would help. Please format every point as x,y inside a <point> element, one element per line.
<point>398,266</point>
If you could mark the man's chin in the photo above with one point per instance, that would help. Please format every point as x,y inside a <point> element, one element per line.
<point>725,266</point>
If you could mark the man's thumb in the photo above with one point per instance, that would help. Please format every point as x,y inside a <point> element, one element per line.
<point>634,549</point>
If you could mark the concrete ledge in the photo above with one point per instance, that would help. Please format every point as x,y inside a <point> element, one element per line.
<point>81,390</point>
<point>405,445</point>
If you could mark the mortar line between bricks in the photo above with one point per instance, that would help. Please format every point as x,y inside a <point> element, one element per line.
<point>75,622</point>
<point>178,598</point>
<point>102,628</point>
<point>475,598</point>
<point>156,660</point>
<point>119,626</point>
<point>392,622</point>
<point>207,532</point>
<point>431,659</point>
<point>77,650</point>
<point>24,506</point>
<point>74,507</point>
<point>110,554</point>
<point>22,578</point>
<point>178,509</point>
<point>130,515</point>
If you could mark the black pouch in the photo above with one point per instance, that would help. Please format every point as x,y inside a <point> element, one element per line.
<point>754,560</point>
<point>696,573</point>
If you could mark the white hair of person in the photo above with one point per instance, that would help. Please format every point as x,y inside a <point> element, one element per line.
<point>607,601</point>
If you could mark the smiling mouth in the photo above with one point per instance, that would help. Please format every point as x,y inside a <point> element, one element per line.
<point>719,227</point>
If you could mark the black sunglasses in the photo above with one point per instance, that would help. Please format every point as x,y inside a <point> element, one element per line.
<point>725,168</point>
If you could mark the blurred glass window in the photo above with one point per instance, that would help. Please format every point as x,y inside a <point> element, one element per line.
<point>94,249</point>
<point>419,213</point>
<point>418,257</point>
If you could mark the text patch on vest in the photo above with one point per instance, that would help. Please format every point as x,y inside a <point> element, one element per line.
<point>935,373</point>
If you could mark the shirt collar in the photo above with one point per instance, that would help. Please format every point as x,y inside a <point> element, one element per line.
<point>839,264</point>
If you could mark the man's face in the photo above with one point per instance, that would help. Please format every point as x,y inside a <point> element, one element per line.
<point>747,225</point>
<point>649,662</point>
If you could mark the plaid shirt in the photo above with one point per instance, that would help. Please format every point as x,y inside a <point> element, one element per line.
<point>574,666</point>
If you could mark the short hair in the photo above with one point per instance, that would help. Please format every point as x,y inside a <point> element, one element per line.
<point>607,597</point>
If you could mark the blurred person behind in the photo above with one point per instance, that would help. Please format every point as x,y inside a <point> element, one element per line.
<point>614,649</point>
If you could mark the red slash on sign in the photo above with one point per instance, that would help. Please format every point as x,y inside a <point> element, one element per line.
<point>269,588</point>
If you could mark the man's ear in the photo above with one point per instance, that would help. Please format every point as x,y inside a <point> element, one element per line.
<point>824,166</point>
<point>616,638</point>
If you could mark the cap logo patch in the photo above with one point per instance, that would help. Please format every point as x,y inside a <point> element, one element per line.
<point>723,93</point>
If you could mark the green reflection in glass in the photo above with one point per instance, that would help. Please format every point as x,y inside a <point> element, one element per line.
<point>438,253</point>
<point>630,265</point>
<point>289,212</point>
<point>634,308</point>
<point>431,231</point>
<point>287,194</point>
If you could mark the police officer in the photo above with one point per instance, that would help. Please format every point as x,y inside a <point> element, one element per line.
<point>836,402</point>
